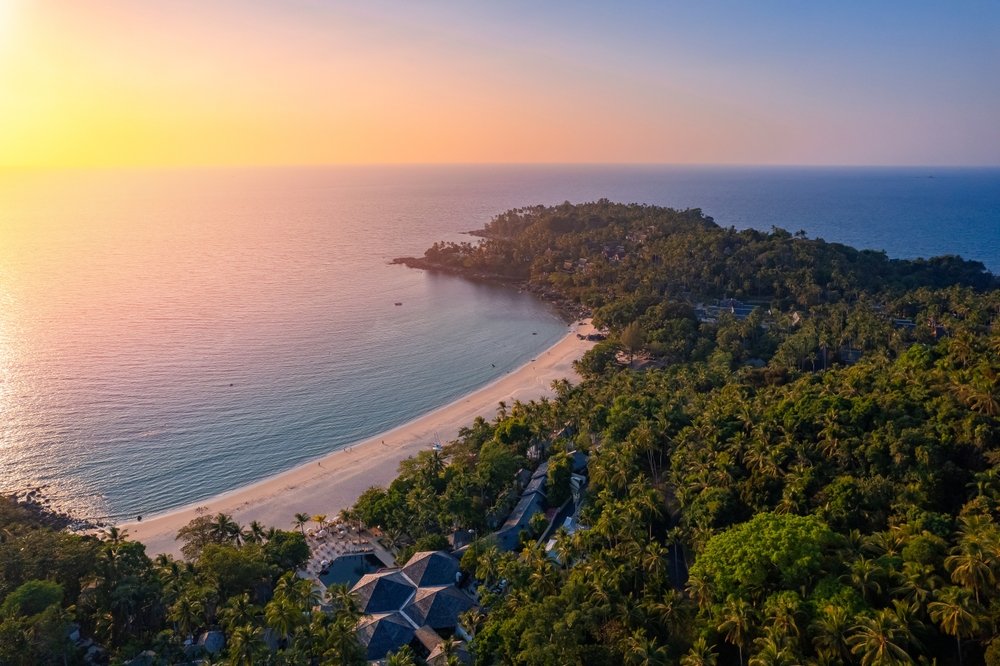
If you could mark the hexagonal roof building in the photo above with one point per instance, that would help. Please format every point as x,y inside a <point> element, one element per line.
<point>431,568</point>
<point>438,607</point>
<point>383,633</point>
<point>382,592</point>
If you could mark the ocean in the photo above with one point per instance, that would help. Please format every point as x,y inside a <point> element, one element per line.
<point>168,335</point>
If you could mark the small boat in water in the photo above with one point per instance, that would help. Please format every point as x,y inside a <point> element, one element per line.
<point>398,303</point>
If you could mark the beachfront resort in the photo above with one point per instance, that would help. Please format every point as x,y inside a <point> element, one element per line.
<point>422,602</point>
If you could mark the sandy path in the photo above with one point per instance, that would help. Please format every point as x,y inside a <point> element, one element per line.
<point>335,481</point>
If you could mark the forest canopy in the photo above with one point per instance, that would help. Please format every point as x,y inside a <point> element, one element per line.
<point>792,456</point>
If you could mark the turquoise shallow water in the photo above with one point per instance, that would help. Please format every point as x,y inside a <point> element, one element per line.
<point>165,336</point>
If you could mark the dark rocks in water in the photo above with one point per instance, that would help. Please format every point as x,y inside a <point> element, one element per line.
<point>33,507</point>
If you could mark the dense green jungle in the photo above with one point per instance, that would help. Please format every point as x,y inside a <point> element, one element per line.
<point>793,457</point>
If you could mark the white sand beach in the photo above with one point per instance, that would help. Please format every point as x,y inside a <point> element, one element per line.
<point>332,483</point>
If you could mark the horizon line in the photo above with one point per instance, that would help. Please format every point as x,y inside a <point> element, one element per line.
<point>321,165</point>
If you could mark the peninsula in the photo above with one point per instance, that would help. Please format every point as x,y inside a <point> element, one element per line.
<point>785,449</point>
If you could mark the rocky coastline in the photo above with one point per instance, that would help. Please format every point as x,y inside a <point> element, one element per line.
<point>36,508</point>
<point>569,310</point>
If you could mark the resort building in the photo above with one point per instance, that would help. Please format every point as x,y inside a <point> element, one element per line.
<point>417,605</point>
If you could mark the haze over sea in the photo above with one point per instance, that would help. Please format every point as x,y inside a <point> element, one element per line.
<point>169,335</point>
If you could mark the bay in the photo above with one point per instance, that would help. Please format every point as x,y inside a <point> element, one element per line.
<point>168,335</point>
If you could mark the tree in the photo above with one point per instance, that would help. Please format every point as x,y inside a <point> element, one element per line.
<point>301,520</point>
<point>196,535</point>
<point>402,657</point>
<point>239,611</point>
<point>640,650</point>
<point>31,598</point>
<point>769,552</point>
<point>975,559</point>
<point>284,616</point>
<point>735,622</point>
<point>187,614</point>
<point>286,550</point>
<point>700,654</point>
<point>880,639</point>
<point>245,643</point>
<point>598,359</point>
<point>830,631</point>
<point>633,339</point>
<point>225,530</point>
<point>255,533</point>
<point>954,612</point>
<point>557,488</point>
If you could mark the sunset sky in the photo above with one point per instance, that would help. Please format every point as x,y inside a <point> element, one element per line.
<point>194,82</point>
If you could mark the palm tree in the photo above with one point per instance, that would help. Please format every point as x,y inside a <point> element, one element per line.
<point>320,519</point>
<point>735,623</point>
<point>239,611</point>
<point>186,614</point>
<point>981,392</point>
<point>975,559</point>
<point>449,649</point>
<point>643,651</point>
<point>771,651</point>
<point>701,591</point>
<point>113,534</point>
<point>970,567</point>
<point>783,614</point>
<point>393,539</point>
<point>889,543</point>
<point>865,576</point>
<point>255,533</point>
<point>661,612</point>
<point>298,591</point>
<point>488,565</point>
<point>224,529</point>
<point>283,616</point>
<point>655,562</point>
<point>341,643</point>
<point>880,639</point>
<point>402,657</point>
<point>340,596</point>
<point>244,645</point>
<point>700,654</point>
<point>917,582</point>
<point>829,632</point>
<point>301,520</point>
<point>955,614</point>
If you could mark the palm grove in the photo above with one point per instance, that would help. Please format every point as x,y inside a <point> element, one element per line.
<point>804,474</point>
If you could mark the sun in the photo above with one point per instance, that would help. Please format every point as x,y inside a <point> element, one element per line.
<point>7,8</point>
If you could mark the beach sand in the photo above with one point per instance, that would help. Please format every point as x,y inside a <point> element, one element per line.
<point>334,482</point>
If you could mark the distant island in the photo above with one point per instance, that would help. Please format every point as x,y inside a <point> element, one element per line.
<point>781,451</point>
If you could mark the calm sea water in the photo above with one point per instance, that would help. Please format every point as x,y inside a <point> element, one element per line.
<point>165,336</point>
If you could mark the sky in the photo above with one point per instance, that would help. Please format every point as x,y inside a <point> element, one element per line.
<point>261,82</point>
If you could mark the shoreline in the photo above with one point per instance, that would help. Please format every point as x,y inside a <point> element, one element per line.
<point>333,482</point>
<point>569,310</point>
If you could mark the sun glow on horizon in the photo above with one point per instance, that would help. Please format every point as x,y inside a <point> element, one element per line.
<point>143,83</point>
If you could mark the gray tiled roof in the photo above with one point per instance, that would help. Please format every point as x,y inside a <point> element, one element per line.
<point>427,637</point>
<point>508,534</point>
<point>431,567</point>
<point>382,592</point>
<point>536,485</point>
<point>438,607</point>
<point>542,471</point>
<point>383,633</point>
